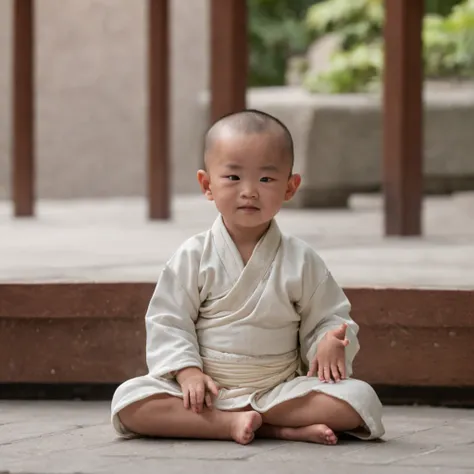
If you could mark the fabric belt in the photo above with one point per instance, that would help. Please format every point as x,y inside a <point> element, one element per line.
<point>231,371</point>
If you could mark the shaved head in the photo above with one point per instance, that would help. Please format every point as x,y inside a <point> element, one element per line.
<point>248,122</point>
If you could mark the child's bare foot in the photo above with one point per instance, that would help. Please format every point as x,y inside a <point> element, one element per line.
<point>320,434</point>
<point>245,425</point>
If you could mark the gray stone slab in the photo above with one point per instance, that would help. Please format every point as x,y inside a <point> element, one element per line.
<point>112,240</point>
<point>70,439</point>
<point>199,450</point>
<point>291,467</point>
<point>439,456</point>
<point>12,433</point>
<point>48,411</point>
<point>61,463</point>
<point>52,439</point>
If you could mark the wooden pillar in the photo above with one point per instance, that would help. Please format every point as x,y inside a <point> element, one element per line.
<point>158,110</point>
<point>229,56</point>
<point>403,117</point>
<point>23,119</point>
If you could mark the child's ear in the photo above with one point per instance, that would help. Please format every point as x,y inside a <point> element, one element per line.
<point>293,185</point>
<point>205,183</point>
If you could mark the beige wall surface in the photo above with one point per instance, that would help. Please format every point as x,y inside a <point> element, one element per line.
<point>91,95</point>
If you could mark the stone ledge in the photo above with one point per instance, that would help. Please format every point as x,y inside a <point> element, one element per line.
<point>72,333</point>
<point>414,337</point>
<point>339,140</point>
<point>94,334</point>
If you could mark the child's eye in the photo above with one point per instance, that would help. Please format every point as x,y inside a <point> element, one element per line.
<point>233,177</point>
<point>266,180</point>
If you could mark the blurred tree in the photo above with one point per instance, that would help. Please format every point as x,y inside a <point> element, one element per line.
<point>357,65</point>
<point>276,32</point>
<point>440,7</point>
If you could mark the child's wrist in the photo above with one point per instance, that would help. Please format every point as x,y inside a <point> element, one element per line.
<point>183,374</point>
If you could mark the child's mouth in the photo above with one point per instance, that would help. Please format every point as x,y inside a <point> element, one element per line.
<point>248,208</point>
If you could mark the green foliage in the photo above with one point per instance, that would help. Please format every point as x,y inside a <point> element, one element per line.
<point>450,42</point>
<point>355,70</point>
<point>332,14</point>
<point>440,7</point>
<point>276,32</point>
<point>358,64</point>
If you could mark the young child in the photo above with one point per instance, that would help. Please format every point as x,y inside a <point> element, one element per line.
<point>248,334</point>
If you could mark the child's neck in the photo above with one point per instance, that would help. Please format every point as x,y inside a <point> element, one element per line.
<point>246,238</point>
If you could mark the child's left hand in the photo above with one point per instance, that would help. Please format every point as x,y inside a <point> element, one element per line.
<point>329,361</point>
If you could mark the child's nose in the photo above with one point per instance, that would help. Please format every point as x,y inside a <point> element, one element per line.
<point>249,191</point>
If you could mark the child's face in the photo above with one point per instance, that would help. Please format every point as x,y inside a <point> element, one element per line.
<point>248,178</point>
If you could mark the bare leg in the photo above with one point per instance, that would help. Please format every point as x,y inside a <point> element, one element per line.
<point>314,418</point>
<point>165,416</point>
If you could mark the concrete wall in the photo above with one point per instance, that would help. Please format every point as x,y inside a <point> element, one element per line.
<point>91,95</point>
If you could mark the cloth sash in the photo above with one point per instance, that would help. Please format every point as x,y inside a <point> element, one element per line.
<point>249,373</point>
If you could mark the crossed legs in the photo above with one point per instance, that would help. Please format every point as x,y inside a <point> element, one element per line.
<point>315,418</point>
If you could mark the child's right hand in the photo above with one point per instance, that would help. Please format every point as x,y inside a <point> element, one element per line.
<point>196,387</point>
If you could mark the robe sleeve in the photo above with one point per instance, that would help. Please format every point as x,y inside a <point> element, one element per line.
<point>171,341</point>
<point>326,309</point>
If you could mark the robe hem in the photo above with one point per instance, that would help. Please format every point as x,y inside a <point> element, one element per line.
<point>373,431</point>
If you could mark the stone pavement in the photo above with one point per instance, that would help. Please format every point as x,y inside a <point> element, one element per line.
<point>76,437</point>
<point>112,240</point>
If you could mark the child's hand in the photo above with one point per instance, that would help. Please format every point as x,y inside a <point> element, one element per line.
<point>196,387</point>
<point>329,361</point>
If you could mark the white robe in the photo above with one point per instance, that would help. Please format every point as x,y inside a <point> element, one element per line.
<point>254,329</point>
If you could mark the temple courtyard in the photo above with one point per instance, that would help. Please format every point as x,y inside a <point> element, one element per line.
<point>112,241</point>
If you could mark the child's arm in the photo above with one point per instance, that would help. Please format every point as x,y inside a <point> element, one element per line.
<point>171,343</point>
<point>172,348</point>
<point>325,311</point>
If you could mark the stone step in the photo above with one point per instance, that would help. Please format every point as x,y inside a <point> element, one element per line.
<point>81,333</point>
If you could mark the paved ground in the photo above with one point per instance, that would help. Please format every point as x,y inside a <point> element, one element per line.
<point>76,437</point>
<point>112,240</point>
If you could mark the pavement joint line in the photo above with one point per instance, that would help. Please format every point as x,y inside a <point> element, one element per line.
<point>44,435</point>
<point>418,455</point>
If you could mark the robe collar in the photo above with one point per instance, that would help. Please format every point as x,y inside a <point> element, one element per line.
<point>262,255</point>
